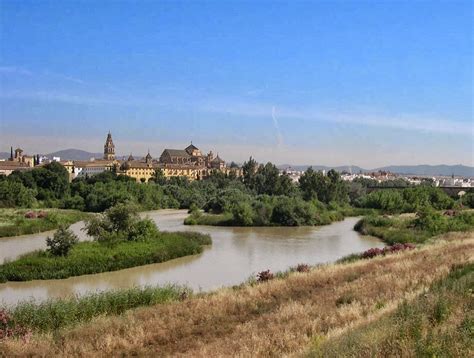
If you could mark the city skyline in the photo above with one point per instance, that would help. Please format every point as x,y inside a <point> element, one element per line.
<point>304,88</point>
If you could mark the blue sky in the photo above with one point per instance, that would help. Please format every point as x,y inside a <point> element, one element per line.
<point>367,83</point>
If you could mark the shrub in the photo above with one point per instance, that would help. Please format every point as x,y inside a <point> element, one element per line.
<point>264,276</point>
<point>302,268</point>
<point>243,214</point>
<point>62,242</point>
<point>9,330</point>
<point>373,252</point>
<point>431,221</point>
<point>142,229</point>
<point>120,223</point>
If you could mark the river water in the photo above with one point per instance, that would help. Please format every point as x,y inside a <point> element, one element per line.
<point>235,255</point>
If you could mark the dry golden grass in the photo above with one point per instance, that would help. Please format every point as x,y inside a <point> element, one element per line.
<point>277,318</point>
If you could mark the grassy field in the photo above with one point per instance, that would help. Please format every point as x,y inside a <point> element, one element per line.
<point>438,323</point>
<point>94,257</point>
<point>300,314</point>
<point>13,221</point>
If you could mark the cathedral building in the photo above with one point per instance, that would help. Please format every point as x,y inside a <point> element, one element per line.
<point>188,162</point>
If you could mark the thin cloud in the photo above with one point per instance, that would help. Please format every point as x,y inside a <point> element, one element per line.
<point>64,77</point>
<point>276,125</point>
<point>409,122</point>
<point>14,70</point>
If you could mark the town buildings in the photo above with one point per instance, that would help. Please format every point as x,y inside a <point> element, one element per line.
<point>188,162</point>
<point>17,161</point>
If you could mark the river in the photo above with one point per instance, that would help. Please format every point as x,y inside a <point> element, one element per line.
<point>235,255</point>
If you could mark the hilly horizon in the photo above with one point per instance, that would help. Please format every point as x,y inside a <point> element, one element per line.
<point>421,169</point>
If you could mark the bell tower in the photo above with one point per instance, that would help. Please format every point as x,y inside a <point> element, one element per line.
<point>109,148</point>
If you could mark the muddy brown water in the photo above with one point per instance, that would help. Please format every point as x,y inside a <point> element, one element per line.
<point>235,255</point>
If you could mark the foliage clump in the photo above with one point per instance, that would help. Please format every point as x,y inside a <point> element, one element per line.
<point>264,276</point>
<point>121,223</point>
<point>8,328</point>
<point>62,242</point>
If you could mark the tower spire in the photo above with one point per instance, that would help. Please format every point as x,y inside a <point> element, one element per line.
<point>109,148</point>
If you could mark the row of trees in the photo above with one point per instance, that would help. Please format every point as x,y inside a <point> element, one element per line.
<point>49,186</point>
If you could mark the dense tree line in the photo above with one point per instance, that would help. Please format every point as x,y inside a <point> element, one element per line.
<point>406,200</point>
<point>261,192</point>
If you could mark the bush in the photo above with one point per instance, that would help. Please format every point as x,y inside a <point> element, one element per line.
<point>431,221</point>
<point>142,230</point>
<point>14,194</point>
<point>303,268</point>
<point>264,276</point>
<point>8,329</point>
<point>119,223</point>
<point>468,200</point>
<point>243,214</point>
<point>62,242</point>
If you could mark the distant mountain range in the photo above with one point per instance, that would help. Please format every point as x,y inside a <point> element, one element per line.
<point>67,154</point>
<point>422,170</point>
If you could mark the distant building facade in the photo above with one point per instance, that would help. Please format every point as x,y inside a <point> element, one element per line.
<point>16,161</point>
<point>188,162</point>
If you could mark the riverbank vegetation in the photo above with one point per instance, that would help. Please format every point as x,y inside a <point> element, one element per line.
<point>261,197</point>
<point>52,315</point>
<point>14,222</point>
<point>417,228</point>
<point>263,210</point>
<point>122,240</point>
<point>303,312</point>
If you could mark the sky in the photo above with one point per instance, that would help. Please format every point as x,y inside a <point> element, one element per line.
<point>368,83</point>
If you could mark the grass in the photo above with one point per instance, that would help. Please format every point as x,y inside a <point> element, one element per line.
<point>55,314</point>
<point>94,257</point>
<point>284,316</point>
<point>438,323</point>
<point>405,229</point>
<point>13,221</point>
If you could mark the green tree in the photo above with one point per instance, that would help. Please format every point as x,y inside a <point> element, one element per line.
<point>15,194</point>
<point>159,177</point>
<point>243,214</point>
<point>62,242</point>
<point>249,171</point>
<point>120,222</point>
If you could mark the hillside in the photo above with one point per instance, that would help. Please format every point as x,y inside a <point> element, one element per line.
<point>74,154</point>
<point>66,154</point>
<point>422,170</point>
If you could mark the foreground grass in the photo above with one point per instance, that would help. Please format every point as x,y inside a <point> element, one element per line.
<point>13,221</point>
<point>439,323</point>
<point>55,314</point>
<point>276,318</point>
<point>404,229</point>
<point>94,257</point>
